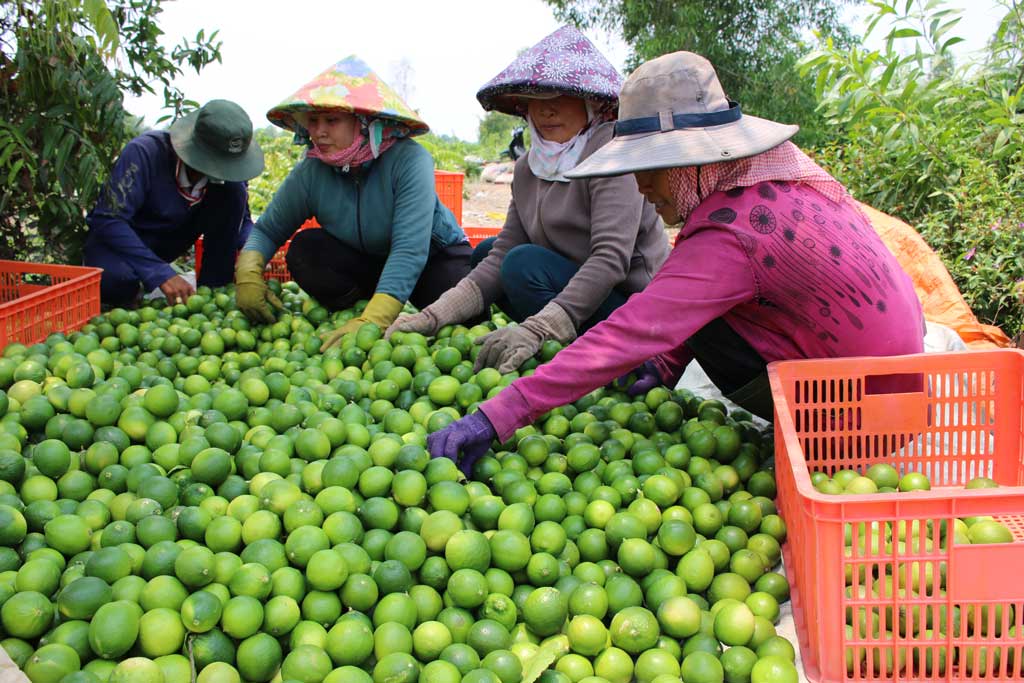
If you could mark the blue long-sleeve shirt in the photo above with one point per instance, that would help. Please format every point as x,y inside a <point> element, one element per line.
<point>144,221</point>
<point>389,209</point>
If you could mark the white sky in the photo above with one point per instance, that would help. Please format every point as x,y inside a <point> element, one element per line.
<point>452,46</point>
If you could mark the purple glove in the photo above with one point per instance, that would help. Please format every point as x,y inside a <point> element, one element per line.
<point>472,435</point>
<point>647,377</point>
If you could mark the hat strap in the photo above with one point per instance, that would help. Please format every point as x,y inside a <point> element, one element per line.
<point>656,124</point>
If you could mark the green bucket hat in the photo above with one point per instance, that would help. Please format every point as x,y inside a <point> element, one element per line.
<point>216,140</point>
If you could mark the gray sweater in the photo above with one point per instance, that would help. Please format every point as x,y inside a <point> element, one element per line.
<point>603,224</point>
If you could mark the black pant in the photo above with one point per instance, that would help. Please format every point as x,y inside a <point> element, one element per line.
<point>337,275</point>
<point>738,370</point>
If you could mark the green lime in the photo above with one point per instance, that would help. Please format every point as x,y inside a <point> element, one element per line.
<point>201,611</point>
<point>114,628</point>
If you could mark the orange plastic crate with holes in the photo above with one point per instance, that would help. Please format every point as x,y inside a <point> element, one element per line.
<point>449,190</point>
<point>878,593</point>
<point>38,299</point>
<point>478,235</point>
<point>277,268</point>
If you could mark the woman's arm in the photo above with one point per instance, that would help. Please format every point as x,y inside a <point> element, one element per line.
<point>615,208</point>
<point>288,209</point>
<point>412,225</point>
<point>704,277</point>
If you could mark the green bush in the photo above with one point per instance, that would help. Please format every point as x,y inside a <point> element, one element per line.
<point>64,70</point>
<point>935,143</point>
<point>450,153</point>
<point>280,154</point>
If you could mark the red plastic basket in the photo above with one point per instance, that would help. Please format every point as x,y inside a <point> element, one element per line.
<point>38,299</point>
<point>449,190</point>
<point>965,422</point>
<point>277,268</point>
<point>478,235</point>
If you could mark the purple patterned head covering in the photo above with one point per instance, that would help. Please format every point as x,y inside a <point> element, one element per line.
<point>564,63</point>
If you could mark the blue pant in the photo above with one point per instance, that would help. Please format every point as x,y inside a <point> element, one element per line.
<point>535,276</point>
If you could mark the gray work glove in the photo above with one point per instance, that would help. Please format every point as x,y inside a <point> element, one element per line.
<point>508,348</point>
<point>461,302</point>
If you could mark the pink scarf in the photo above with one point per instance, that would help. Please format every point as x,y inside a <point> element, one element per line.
<point>356,154</point>
<point>785,163</point>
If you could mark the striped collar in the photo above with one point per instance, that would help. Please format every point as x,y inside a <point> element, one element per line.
<point>193,194</point>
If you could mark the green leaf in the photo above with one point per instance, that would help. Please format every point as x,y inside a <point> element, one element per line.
<point>546,655</point>
<point>883,82</point>
<point>12,175</point>
<point>67,144</point>
<point>904,33</point>
<point>103,23</point>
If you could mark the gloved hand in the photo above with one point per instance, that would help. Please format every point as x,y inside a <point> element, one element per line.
<point>461,302</point>
<point>472,436</point>
<point>506,349</point>
<point>252,296</point>
<point>647,377</point>
<point>381,310</point>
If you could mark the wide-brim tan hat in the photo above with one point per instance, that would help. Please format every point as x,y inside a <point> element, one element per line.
<point>672,113</point>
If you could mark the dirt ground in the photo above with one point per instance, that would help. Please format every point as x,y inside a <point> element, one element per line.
<point>485,204</point>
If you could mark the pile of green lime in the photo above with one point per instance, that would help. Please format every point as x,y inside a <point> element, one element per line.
<point>185,496</point>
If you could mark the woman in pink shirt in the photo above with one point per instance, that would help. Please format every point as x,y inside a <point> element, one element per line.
<point>774,261</point>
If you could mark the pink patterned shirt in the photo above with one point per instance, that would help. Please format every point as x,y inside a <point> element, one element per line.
<point>792,272</point>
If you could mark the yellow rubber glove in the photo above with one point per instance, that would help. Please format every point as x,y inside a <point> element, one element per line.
<point>252,296</point>
<point>381,310</point>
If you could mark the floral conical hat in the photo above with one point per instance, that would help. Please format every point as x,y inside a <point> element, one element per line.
<point>352,86</point>
<point>563,63</point>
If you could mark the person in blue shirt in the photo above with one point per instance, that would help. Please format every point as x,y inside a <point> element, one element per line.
<point>386,236</point>
<point>166,189</point>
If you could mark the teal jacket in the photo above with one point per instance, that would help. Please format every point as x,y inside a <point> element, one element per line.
<point>388,208</point>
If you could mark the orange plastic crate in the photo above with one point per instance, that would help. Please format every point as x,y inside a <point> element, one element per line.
<point>478,235</point>
<point>965,422</point>
<point>449,190</point>
<point>277,268</point>
<point>32,308</point>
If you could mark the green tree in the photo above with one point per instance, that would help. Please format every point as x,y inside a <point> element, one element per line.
<point>495,133</point>
<point>936,142</point>
<point>754,46</point>
<point>64,68</point>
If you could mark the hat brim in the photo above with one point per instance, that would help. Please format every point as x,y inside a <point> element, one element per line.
<point>235,169</point>
<point>513,103</point>
<point>687,147</point>
<point>291,117</point>
<point>507,98</point>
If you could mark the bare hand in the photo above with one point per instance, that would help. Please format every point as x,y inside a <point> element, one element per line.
<point>176,290</point>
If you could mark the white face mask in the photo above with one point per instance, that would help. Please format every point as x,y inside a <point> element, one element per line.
<point>551,160</point>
